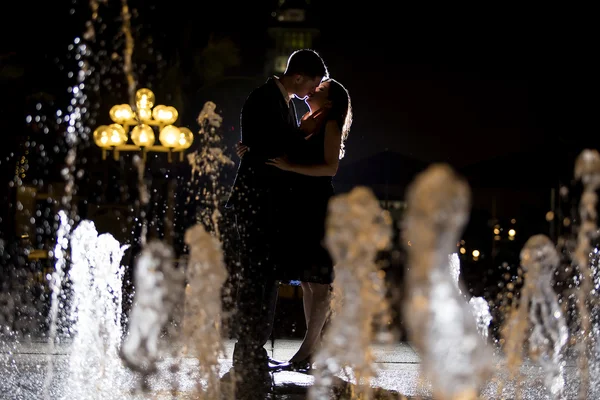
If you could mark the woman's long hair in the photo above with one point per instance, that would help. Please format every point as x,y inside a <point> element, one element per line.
<point>341,110</point>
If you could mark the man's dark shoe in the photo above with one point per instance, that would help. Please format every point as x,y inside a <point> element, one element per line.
<point>247,385</point>
<point>257,386</point>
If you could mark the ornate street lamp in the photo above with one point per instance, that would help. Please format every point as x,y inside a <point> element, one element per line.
<point>114,137</point>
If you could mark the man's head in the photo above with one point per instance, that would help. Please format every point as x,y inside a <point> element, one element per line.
<point>304,72</point>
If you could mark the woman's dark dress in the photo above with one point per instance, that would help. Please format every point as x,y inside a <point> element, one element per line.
<point>301,250</point>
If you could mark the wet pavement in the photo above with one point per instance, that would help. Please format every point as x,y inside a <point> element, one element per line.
<point>24,368</point>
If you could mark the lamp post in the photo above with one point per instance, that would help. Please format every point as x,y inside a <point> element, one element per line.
<point>143,121</point>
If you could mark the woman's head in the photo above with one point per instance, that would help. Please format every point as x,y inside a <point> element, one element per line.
<point>331,93</point>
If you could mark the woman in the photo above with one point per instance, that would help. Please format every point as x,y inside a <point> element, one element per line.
<point>304,257</point>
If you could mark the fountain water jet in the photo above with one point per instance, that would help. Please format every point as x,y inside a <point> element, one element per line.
<point>95,311</point>
<point>201,337</point>
<point>479,306</point>
<point>207,163</point>
<point>455,358</point>
<point>128,52</point>
<point>539,309</point>
<point>587,170</point>
<point>57,294</point>
<point>158,289</point>
<point>357,228</point>
<point>76,130</point>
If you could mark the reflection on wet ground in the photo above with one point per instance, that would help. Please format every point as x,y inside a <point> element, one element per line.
<point>23,368</point>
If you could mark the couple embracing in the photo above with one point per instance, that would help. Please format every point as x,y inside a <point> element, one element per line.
<point>279,199</point>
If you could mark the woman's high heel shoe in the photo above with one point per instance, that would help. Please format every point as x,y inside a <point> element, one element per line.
<point>302,366</point>
<point>275,362</point>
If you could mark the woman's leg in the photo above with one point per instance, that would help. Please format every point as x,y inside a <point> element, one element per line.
<point>319,311</point>
<point>306,301</point>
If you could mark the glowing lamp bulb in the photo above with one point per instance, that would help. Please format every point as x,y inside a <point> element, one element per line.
<point>116,134</point>
<point>144,99</point>
<point>169,136</point>
<point>121,113</point>
<point>142,135</point>
<point>186,138</point>
<point>101,135</point>
<point>165,114</point>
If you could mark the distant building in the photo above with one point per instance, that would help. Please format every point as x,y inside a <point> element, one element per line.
<point>292,28</point>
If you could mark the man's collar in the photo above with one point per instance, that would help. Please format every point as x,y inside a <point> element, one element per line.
<point>284,92</point>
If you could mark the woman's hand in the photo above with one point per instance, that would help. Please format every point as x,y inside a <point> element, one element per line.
<point>241,149</point>
<point>311,123</point>
<point>308,125</point>
<point>281,163</point>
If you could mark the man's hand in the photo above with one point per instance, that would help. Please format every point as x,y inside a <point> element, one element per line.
<point>241,149</point>
<point>280,162</point>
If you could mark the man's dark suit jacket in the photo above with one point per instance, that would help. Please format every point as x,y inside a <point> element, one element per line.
<point>269,128</point>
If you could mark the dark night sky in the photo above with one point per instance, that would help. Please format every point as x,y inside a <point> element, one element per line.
<point>438,84</point>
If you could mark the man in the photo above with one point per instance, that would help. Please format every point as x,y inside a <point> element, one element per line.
<point>269,127</point>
